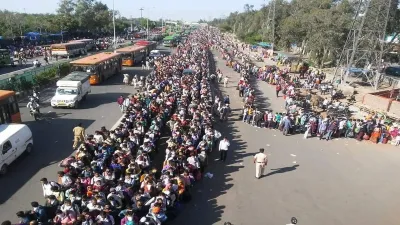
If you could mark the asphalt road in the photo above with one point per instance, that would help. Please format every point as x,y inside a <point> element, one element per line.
<point>53,140</point>
<point>339,182</point>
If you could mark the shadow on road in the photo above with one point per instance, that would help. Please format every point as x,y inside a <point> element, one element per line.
<point>204,206</point>
<point>281,170</point>
<point>94,100</point>
<point>48,150</point>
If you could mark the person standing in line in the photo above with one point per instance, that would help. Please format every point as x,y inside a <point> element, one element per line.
<point>278,89</point>
<point>226,79</point>
<point>120,101</point>
<point>79,135</point>
<point>261,160</point>
<point>223,149</point>
<point>126,103</point>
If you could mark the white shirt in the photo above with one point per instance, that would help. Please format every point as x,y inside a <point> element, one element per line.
<point>342,124</point>
<point>109,220</point>
<point>223,145</point>
<point>127,102</point>
<point>99,138</point>
<point>260,158</point>
<point>47,189</point>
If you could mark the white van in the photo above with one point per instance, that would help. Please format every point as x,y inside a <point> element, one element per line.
<point>15,139</point>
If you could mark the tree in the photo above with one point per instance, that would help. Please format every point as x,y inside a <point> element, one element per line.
<point>318,28</point>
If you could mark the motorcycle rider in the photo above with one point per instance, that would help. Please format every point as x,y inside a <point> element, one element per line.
<point>35,95</point>
<point>36,63</point>
<point>33,106</point>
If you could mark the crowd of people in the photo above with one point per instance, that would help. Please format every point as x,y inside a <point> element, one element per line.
<point>333,120</point>
<point>114,176</point>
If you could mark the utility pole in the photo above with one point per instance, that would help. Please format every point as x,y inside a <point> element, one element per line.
<point>364,47</point>
<point>147,25</point>
<point>115,39</point>
<point>131,24</point>
<point>271,25</point>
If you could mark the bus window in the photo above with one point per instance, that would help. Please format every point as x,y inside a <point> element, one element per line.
<point>2,116</point>
<point>6,113</point>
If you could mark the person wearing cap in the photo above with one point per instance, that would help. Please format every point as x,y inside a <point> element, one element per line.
<point>261,160</point>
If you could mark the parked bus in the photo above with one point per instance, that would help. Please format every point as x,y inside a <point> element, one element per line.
<point>132,55</point>
<point>6,59</point>
<point>9,110</point>
<point>68,49</point>
<point>90,44</point>
<point>150,45</point>
<point>100,66</point>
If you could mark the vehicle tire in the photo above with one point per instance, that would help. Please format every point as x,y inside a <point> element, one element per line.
<point>76,105</point>
<point>29,148</point>
<point>3,169</point>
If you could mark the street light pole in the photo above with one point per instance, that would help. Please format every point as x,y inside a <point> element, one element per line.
<point>114,27</point>
<point>131,24</point>
<point>147,29</point>
<point>147,32</point>
<point>141,12</point>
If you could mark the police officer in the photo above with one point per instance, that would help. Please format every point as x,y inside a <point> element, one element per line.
<point>79,135</point>
<point>261,160</point>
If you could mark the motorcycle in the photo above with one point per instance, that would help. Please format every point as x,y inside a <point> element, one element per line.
<point>35,113</point>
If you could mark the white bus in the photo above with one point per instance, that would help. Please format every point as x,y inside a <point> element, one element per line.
<point>68,49</point>
<point>90,43</point>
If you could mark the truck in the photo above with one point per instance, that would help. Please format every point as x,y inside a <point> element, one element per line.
<point>71,90</point>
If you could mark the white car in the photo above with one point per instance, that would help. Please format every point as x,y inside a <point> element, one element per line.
<point>155,54</point>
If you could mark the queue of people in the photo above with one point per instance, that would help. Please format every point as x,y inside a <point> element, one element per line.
<point>335,119</point>
<point>113,176</point>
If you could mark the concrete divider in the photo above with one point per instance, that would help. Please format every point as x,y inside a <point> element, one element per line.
<point>32,71</point>
<point>395,108</point>
<point>377,102</point>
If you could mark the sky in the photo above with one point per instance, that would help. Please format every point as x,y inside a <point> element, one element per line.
<point>169,9</point>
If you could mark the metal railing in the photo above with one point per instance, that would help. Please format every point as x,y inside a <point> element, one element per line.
<point>27,73</point>
<point>30,73</point>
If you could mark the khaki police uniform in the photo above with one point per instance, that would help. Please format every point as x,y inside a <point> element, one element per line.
<point>260,161</point>
<point>79,136</point>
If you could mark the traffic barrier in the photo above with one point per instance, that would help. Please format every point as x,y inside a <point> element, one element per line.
<point>377,102</point>
<point>29,73</point>
<point>395,109</point>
